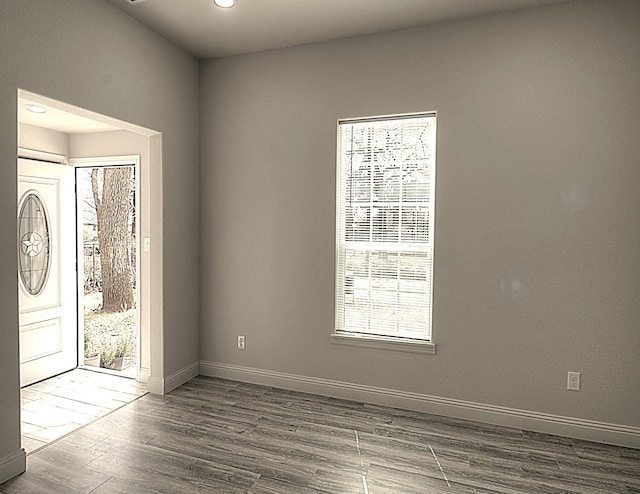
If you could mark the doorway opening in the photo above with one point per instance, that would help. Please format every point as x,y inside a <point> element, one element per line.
<point>107,233</point>
<point>66,137</point>
<point>55,142</point>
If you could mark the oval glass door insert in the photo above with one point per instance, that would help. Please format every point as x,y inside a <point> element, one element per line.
<point>33,243</point>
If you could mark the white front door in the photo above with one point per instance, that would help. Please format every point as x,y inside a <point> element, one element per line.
<point>46,270</point>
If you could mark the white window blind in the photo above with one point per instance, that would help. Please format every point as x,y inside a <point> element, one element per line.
<point>385,197</point>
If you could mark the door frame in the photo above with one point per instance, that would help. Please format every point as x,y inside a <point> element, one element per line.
<point>98,162</point>
<point>151,226</point>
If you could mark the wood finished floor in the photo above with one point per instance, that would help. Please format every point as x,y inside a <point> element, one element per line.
<point>217,436</point>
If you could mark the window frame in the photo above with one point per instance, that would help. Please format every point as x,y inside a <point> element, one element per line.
<point>342,335</point>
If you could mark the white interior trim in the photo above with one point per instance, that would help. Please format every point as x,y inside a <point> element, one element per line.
<point>34,154</point>
<point>12,465</point>
<point>162,386</point>
<point>94,161</point>
<point>143,375</point>
<point>155,385</point>
<point>589,430</point>
<point>383,343</point>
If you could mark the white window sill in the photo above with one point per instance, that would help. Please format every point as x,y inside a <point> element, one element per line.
<point>384,343</point>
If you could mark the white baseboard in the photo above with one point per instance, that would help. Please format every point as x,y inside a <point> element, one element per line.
<point>162,386</point>
<point>155,385</point>
<point>143,375</point>
<point>12,465</point>
<point>589,430</point>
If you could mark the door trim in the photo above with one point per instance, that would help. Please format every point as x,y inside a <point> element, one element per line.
<point>34,154</point>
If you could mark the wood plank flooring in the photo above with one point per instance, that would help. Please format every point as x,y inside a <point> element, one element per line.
<point>217,436</point>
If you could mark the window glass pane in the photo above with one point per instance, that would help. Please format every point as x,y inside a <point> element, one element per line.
<point>358,224</point>
<point>415,224</point>
<point>385,224</point>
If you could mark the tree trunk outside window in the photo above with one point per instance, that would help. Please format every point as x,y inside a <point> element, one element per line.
<point>113,208</point>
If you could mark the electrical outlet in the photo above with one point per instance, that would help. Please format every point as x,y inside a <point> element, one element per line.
<point>573,381</point>
<point>242,343</point>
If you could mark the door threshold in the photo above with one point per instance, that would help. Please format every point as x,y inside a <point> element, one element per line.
<point>127,374</point>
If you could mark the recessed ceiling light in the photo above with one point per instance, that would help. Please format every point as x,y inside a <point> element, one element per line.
<point>225,4</point>
<point>36,109</point>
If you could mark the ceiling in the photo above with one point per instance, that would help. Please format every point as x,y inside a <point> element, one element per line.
<point>59,119</point>
<point>208,31</point>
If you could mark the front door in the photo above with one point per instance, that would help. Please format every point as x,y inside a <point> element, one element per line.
<point>46,270</point>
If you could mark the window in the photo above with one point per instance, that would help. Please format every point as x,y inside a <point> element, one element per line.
<point>33,243</point>
<point>384,238</point>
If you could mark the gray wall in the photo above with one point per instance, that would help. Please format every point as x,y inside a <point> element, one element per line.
<point>120,69</point>
<point>537,184</point>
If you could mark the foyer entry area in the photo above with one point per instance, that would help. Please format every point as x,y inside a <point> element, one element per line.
<point>57,406</point>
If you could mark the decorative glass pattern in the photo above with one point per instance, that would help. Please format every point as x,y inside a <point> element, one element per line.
<point>34,244</point>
